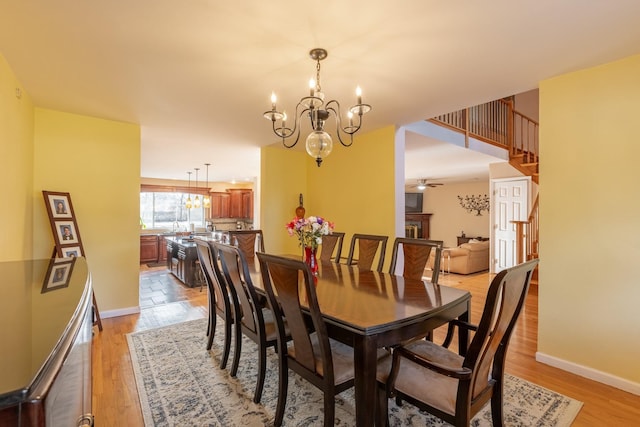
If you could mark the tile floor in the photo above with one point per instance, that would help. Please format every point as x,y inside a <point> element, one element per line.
<point>158,286</point>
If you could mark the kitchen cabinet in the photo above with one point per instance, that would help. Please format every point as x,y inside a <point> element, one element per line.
<point>162,249</point>
<point>220,204</point>
<point>148,248</point>
<point>241,203</point>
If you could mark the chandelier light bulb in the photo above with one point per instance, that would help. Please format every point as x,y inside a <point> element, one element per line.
<point>274,98</point>
<point>312,87</point>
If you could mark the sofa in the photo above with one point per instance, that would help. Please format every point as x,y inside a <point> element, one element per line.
<point>467,258</point>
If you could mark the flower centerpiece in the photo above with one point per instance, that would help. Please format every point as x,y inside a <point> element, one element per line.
<point>309,232</point>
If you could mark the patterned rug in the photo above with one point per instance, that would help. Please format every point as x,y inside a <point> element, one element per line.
<point>181,384</point>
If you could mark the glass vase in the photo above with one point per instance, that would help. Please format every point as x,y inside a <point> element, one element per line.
<point>310,259</point>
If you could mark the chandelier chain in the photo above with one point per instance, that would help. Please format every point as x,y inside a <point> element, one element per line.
<point>318,87</point>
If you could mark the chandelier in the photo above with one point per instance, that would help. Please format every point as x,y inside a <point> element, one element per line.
<point>319,143</point>
<point>473,203</point>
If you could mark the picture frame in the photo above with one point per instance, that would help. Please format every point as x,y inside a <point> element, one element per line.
<point>71,251</point>
<point>63,224</point>
<point>58,274</point>
<point>66,231</point>
<point>59,205</point>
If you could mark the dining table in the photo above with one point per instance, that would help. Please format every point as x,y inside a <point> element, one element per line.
<point>369,310</point>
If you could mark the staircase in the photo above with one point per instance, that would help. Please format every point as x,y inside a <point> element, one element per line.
<point>499,124</point>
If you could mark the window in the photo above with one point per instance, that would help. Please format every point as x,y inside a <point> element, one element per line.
<point>167,210</point>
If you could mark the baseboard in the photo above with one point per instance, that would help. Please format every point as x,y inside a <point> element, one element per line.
<point>119,312</point>
<point>592,374</point>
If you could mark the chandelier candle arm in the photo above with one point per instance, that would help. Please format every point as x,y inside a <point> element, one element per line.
<point>318,143</point>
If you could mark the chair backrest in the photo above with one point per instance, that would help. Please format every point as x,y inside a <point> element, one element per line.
<point>213,276</point>
<point>280,276</point>
<point>505,299</point>
<point>415,255</point>
<point>249,241</point>
<point>236,273</point>
<point>329,244</point>
<point>368,245</point>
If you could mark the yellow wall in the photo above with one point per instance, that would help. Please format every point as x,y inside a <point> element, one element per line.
<point>98,162</point>
<point>354,188</point>
<point>283,178</point>
<point>589,220</point>
<point>16,156</point>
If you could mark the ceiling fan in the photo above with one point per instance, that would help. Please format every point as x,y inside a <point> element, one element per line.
<point>424,183</point>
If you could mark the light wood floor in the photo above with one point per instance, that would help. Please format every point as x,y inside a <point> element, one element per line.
<point>115,399</point>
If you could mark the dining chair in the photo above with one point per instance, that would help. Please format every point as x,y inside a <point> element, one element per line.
<point>452,387</point>
<point>252,320</point>
<point>219,298</point>
<point>248,241</point>
<point>368,245</point>
<point>331,243</point>
<point>325,363</point>
<point>415,254</point>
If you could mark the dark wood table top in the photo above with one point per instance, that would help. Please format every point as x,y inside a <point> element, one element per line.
<point>370,302</point>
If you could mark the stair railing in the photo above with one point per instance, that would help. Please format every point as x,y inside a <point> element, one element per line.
<point>496,123</point>
<point>528,234</point>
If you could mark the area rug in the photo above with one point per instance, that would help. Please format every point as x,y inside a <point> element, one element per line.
<point>181,384</point>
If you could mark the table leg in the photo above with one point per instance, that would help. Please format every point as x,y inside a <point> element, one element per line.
<point>365,361</point>
<point>463,333</point>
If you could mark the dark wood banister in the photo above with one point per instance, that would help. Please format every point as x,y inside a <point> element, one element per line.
<point>498,123</point>
<point>527,235</point>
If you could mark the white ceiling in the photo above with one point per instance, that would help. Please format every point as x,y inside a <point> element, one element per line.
<point>197,75</point>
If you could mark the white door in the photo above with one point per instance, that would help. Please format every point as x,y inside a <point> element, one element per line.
<point>510,203</point>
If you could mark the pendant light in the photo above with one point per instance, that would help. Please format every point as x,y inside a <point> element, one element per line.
<point>188,204</point>
<point>196,202</point>
<point>206,200</point>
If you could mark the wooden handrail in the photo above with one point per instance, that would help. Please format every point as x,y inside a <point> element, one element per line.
<point>527,235</point>
<point>496,123</point>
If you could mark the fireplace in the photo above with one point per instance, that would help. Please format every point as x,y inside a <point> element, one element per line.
<point>416,225</point>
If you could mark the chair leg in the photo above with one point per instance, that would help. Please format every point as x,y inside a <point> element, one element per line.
<point>237,350</point>
<point>211,328</point>
<point>496,406</point>
<point>227,344</point>
<point>262,368</point>
<point>283,385</point>
<point>398,400</point>
<point>329,409</point>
